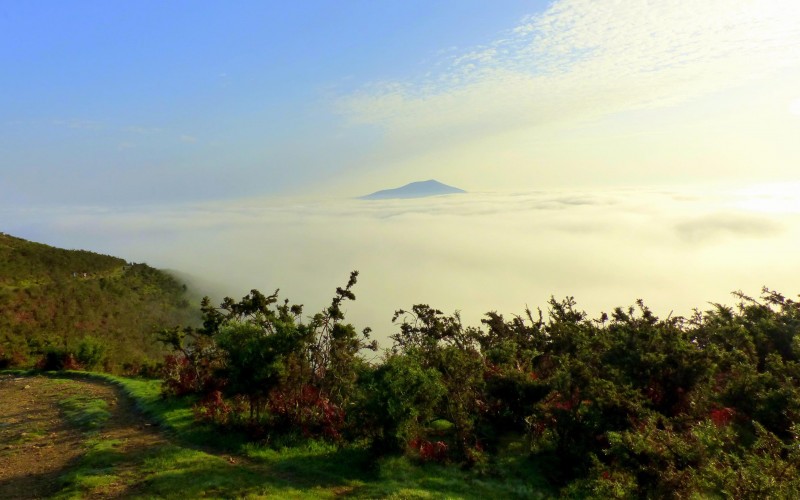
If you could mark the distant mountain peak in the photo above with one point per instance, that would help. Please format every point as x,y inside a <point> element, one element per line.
<point>419,189</point>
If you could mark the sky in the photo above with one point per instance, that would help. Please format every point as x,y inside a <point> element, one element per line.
<point>216,99</point>
<point>611,150</point>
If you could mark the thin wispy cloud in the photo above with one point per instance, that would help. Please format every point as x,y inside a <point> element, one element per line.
<point>582,59</point>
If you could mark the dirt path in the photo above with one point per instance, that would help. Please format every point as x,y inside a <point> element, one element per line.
<point>38,446</point>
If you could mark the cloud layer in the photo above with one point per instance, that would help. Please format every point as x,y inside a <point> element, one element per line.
<point>475,252</point>
<point>582,59</point>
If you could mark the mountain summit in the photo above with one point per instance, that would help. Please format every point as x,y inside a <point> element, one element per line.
<point>419,189</point>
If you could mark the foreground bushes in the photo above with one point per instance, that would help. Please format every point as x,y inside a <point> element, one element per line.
<point>624,405</point>
<point>279,373</point>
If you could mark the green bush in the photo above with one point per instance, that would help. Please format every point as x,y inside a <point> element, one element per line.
<point>91,353</point>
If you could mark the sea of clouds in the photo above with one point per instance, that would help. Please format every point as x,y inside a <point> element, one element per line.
<point>676,249</point>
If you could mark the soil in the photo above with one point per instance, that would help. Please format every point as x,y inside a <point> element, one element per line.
<point>38,446</point>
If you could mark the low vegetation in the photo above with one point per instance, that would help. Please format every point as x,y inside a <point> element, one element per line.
<point>83,412</point>
<point>543,403</point>
<point>624,405</point>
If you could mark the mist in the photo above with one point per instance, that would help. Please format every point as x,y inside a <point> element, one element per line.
<point>677,249</point>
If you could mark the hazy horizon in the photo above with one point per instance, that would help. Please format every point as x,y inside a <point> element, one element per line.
<point>676,249</point>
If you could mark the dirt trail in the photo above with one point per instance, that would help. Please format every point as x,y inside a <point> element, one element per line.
<point>38,446</point>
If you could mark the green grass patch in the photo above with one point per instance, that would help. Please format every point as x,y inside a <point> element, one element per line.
<point>317,469</point>
<point>33,434</point>
<point>87,413</point>
<point>204,462</point>
<point>95,471</point>
<point>173,415</point>
<point>401,477</point>
<point>28,436</point>
<point>178,472</point>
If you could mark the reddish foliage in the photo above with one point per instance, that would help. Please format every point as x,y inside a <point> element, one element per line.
<point>24,317</point>
<point>212,408</point>
<point>70,363</point>
<point>722,416</point>
<point>180,377</point>
<point>309,410</point>
<point>557,401</point>
<point>429,451</point>
<point>561,405</point>
<point>474,454</point>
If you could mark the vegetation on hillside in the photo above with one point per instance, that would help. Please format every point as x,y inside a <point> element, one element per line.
<point>620,406</point>
<point>625,405</point>
<point>74,308</point>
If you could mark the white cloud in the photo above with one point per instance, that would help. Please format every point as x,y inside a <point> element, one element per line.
<point>188,138</point>
<point>582,59</point>
<point>474,252</point>
<point>713,227</point>
<point>794,107</point>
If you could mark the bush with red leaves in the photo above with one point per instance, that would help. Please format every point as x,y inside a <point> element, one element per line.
<point>429,451</point>
<point>722,416</point>
<point>212,408</point>
<point>180,376</point>
<point>308,410</point>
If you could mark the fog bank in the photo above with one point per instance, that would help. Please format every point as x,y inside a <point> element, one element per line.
<point>675,249</point>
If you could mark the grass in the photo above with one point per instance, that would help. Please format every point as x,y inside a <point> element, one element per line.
<point>85,413</point>
<point>200,462</point>
<point>173,415</point>
<point>33,434</point>
<point>96,471</point>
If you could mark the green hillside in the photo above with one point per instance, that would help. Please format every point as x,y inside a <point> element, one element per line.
<point>73,301</point>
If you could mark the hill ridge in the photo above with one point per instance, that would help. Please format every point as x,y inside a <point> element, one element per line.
<point>417,189</point>
<point>54,299</point>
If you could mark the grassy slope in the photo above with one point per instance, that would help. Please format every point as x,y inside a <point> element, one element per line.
<point>199,463</point>
<point>55,297</point>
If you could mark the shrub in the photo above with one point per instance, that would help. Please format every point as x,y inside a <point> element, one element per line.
<point>212,408</point>
<point>91,352</point>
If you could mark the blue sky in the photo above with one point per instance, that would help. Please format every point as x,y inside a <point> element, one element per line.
<point>119,103</point>
<point>107,102</point>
